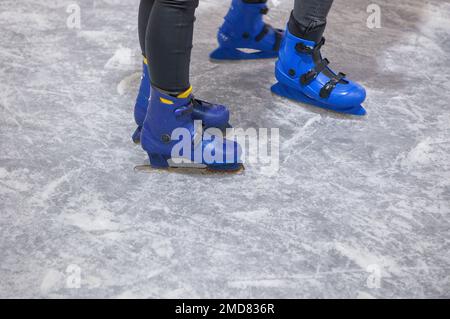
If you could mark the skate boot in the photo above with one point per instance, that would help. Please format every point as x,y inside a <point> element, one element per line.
<point>211,115</point>
<point>168,119</point>
<point>140,108</point>
<point>244,28</point>
<point>304,76</point>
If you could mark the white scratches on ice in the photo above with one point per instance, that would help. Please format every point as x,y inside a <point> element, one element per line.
<point>163,248</point>
<point>417,44</point>
<point>14,181</point>
<point>252,215</point>
<point>364,258</point>
<point>89,213</point>
<point>103,38</point>
<point>39,22</point>
<point>429,151</point>
<point>128,83</point>
<point>364,295</point>
<point>53,280</point>
<point>292,143</point>
<point>123,59</point>
<point>52,186</point>
<point>266,283</point>
<point>95,221</point>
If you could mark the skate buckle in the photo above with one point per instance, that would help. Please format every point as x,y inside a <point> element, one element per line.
<point>300,47</point>
<point>325,92</point>
<point>306,78</point>
<point>313,73</point>
<point>183,111</point>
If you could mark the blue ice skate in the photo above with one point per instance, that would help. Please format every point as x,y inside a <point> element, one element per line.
<point>169,118</point>
<point>244,28</point>
<point>212,115</point>
<point>140,108</point>
<point>304,76</point>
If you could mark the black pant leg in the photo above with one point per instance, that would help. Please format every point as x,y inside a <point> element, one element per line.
<point>169,43</point>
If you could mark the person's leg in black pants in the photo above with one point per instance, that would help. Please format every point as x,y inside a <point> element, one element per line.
<point>172,107</point>
<point>140,107</point>
<point>168,43</point>
<point>145,8</point>
<point>309,18</point>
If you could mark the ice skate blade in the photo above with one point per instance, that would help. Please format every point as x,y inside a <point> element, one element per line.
<point>190,170</point>
<point>295,95</point>
<point>235,55</point>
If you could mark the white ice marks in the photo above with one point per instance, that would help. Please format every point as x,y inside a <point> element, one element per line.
<point>305,130</point>
<point>128,83</point>
<point>53,280</point>
<point>90,213</point>
<point>123,59</point>
<point>428,152</point>
<point>163,248</point>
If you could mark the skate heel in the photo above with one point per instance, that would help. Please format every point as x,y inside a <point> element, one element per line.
<point>158,160</point>
<point>136,137</point>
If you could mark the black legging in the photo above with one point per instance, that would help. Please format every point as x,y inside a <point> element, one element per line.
<point>145,8</point>
<point>309,18</point>
<point>166,32</point>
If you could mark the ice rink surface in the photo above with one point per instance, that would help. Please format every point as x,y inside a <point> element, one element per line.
<point>359,207</point>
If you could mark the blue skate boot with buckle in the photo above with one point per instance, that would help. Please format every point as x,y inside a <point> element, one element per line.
<point>169,118</point>
<point>211,115</point>
<point>244,28</point>
<point>304,76</point>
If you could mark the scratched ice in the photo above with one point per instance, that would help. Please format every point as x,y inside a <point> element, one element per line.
<point>359,207</point>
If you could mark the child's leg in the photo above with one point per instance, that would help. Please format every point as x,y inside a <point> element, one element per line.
<point>165,31</point>
<point>140,107</point>
<point>309,18</point>
<point>172,106</point>
<point>169,43</point>
<point>145,8</point>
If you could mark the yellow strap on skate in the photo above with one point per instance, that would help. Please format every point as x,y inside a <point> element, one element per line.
<point>145,61</point>
<point>166,101</point>
<point>185,94</point>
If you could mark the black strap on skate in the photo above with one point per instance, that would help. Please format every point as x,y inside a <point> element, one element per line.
<point>321,65</point>
<point>307,78</point>
<point>278,35</point>
<point>264,11</point>
<point>278,39</point>
<point>266,29</point>
<point>302,48</point>
<point>330,85</point>
<point>263,32</point>
<point>201,103</point>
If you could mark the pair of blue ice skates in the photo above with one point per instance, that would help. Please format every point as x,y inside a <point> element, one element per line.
<point>302,74</point>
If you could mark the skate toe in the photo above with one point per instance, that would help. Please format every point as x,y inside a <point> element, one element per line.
<point>347,95</point>
<point>222,154</point>
<point>355,96</point>
<point>212,115</point>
